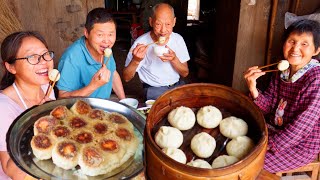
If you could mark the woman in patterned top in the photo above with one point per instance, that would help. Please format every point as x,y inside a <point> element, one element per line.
<point>291,103</point>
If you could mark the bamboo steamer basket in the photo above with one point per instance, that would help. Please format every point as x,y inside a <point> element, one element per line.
<point>160,166</point>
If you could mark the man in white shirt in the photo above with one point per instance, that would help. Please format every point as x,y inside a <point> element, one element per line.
<point>158,73</point>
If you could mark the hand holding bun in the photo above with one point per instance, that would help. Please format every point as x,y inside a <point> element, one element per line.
<point>203,145</point>
<point>240,146</point>
<point>209,117</point>
<point>169,137</point>
<point>182,118</point>
<point>233,127</point>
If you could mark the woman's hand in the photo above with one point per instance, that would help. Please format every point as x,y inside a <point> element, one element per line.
<point>251,76</point>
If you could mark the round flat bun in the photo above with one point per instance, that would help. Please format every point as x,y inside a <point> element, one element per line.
<point>233,127</point>
<point>44,125</point>
<point>200,163</point>
<point>42,145</point>
<point>65,154</point>
<point>91,161</point>
<point>169,137</point>
<point>203,145</point>
<point>209,117</point>
<point>61,112</point>
<point>240,146</point>
<point>224,160</point>
<point>182,118</point>
<point>176,154</point>
<point>81,108</point>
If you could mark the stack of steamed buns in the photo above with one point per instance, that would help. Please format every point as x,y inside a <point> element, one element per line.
<point>169,139</point>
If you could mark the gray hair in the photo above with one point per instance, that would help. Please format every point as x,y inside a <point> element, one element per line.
<point>155,7</point>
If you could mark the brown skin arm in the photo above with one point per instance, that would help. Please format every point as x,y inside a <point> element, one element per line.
<point>9,168</point>
<point>138,53</point>
<point>117,86</point>
<point>101,77</point>
<point>181,68</point>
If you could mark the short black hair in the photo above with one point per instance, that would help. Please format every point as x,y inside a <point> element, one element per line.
<point>305,26</point>
<point>97,15</point>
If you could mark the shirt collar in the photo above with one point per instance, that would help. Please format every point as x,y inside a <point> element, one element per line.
<point>285,74</point>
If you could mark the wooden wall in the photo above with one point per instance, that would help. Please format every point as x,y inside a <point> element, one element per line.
<point>261,27</point>
<point>252,38</point>
<point>61,22</point>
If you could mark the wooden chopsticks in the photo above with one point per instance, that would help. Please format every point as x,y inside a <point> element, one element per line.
<point>52,85</point>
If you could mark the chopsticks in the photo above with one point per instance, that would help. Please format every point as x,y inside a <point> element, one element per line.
<point>52,83</point>
<point>261,67</point>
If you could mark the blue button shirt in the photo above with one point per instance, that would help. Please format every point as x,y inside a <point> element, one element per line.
<point>77,68</point>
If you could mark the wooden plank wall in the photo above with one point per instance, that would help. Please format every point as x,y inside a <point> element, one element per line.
<point>252,38</point>
<point>61,22</point>
<point>260,31</point>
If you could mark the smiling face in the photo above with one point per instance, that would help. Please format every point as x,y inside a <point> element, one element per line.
<point>298,49</point>
<point>162,22</point>
<point>101,36</point>
<point>26,72</point>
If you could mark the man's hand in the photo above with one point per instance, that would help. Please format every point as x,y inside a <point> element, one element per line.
<point>139,52</point>
<point>170,56</point>
<point>101,77</point>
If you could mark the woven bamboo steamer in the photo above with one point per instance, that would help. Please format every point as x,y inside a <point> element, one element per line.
<point>160,166</point>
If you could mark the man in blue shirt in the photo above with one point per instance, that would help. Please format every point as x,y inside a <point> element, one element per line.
<point>85,71</point>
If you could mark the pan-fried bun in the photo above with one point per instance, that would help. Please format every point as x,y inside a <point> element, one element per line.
<point>91,161</point>
<point>42,145</point>
<point>44,125</point>
<point>81,108</point>
<point>60,131</point>
<point>65,154</point>
<point>61,112</point>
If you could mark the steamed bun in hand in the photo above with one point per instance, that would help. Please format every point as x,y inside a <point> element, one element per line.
<point>169,137</point>
<point>224,160</point>
<point>209,117</point>
<point>182,118</point>
<point>232,127</point>
<point>240,146</point>
<point>203,145</point>
<point>176,154</point>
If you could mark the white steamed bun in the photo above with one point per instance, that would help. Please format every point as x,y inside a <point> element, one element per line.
<point>182,118</point>
<point>240,146</point>
<point>176,154</point>
<point>169,137</point>
<point>209,117</point>
<point>203,145</point>
<point>232,127</point>
<point>200,163</point>
<point>224,160</point>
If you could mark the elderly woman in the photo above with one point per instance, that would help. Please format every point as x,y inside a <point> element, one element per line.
<point>27,61</point>
<point>291,103</point>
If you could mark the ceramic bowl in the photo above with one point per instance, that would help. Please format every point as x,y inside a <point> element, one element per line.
<point>130,101</point>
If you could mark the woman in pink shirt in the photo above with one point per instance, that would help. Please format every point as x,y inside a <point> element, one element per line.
<point>291,103</point>
<point>26,61</point>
